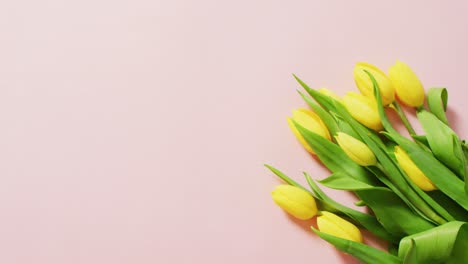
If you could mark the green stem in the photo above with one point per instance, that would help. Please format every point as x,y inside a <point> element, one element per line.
<point>403,118</point>
<point>405,191</point>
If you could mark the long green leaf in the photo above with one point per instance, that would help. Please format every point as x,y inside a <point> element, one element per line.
<point>383,178</point>
<point>341,181</point>
<point>325,101</point>
<point>363,252</point>
<point>344,127</point>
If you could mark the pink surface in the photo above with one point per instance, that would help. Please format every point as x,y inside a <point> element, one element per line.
<point>135,131</point>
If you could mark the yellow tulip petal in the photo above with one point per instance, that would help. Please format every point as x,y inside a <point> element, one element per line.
<point>356,149</point>
<point>363,110</point>
<point>310,121</point>
<point>413,172</point>
<point>334,225</point>
<point>366,86</point>
<point>407,85</point>
<point>295,201</point>
<point>299,136</point>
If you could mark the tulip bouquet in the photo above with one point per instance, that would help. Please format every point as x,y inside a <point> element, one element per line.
<point>415,187</point>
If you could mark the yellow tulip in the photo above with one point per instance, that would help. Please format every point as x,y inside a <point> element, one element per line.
<point>310,121</point>
<point>363,109</point>
<point>407,85</point>
<point>364,83</point>
<point>356,149</point>
<point>328,92</point>
<point>295,201</point>
<point>413,172</point>
<point>336,226</point>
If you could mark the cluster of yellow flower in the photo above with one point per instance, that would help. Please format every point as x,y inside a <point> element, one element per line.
<point>398,164</point>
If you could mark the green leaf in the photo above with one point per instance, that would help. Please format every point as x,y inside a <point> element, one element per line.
<point>360,203</point>
<point>450,205</point>
<point>325,101</point>
<point>443,141</point>
<point>447,243</point>
<point>437,101</point>
<point>342,181</point>
<point>344,127</point>
<point>363,252</point>
<point>421,138</point>
<point>393,213</point>
<point>411,256</point>
<point>285,178</point>
<point>383,178</point>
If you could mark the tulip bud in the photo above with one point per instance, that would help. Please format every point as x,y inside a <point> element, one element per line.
<point>310,121</point>
<point>365,85</point>
<point>363,109</point>
<point>295,201</point>
<point>336,226</point>
<point>356,149</point>
<point>328,92</point>
<point>407,85</point>
<point>413,172</point>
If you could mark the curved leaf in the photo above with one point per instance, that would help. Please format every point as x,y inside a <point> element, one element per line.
<point>437,101</point>
<point>447,243</point>
<point>443,141</point>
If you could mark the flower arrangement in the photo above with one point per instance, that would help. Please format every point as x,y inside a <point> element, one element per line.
<point>416,187</point>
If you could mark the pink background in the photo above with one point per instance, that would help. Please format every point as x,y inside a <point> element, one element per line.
<point>135,131</point>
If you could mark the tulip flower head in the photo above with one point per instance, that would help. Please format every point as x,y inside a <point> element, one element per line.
<point>365,85</point>
<point>336,226</point>
<point>310,121</point>
<point>407,85</point>
<point>363,109</point>
<point>413,172</point>
<point>295,201</point>
<point>356,149</point>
